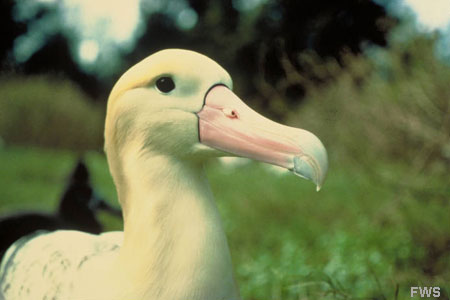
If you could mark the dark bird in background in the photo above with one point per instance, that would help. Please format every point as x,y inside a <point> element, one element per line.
<point>77,210</point>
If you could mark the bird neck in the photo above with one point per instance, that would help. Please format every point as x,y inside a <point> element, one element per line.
<point>174,244</point>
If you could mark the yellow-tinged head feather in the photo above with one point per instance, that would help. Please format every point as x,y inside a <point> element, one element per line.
<point>141,119</point>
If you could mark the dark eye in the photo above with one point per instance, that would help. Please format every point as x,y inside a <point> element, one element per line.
<point>165,84</point>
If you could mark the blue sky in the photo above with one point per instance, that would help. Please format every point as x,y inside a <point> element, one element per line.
<point>431,14</point>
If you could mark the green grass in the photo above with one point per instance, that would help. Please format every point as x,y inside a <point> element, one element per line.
<point>361,237</point>
<point>35,178</point>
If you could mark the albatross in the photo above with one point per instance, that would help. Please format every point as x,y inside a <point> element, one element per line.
<point>166,116</point>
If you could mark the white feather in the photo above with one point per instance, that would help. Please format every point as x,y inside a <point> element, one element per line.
<point>47,265</point>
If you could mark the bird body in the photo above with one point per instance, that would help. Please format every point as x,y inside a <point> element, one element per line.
<point>166,116</point>
<point>45,263</point>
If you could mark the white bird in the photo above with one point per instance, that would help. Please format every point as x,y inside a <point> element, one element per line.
<point>165,117</point>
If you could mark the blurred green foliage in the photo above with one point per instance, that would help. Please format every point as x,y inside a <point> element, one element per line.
<point>394,106</point>
<point>49,112</point>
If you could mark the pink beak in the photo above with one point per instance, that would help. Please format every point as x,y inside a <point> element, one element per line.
<point>226,123</point>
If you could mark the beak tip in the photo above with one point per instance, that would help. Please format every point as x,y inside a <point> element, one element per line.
<point>312,164</point>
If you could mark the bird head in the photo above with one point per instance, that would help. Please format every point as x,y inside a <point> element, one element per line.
<point>180,103</point>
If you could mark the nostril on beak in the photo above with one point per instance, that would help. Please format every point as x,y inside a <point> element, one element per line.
<point>230,113</point>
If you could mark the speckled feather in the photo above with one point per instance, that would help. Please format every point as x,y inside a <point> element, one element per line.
<point>41,266</point>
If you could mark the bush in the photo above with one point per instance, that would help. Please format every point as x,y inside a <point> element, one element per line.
<point>394,107</point>
<point>49,112</point>
<point>389,118</point>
